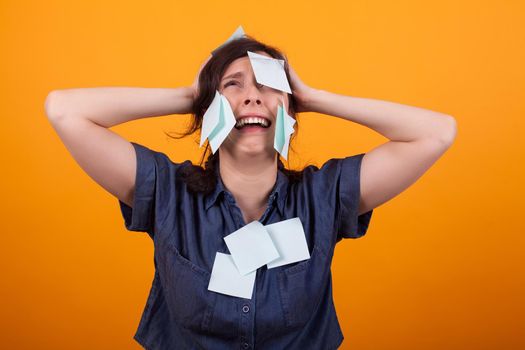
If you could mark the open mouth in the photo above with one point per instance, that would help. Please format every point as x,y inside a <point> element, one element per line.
<point>252,122</point>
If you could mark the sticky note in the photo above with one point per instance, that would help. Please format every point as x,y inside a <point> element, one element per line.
<point>269,71</point>
<point>217,122</point>
<point>239,33</point>
<point>289,239</point>
<point>251,247</point>
<point>226,279</point>
<point>283,131</point>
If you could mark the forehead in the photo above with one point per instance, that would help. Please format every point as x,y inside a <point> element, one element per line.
<point>241,64</point>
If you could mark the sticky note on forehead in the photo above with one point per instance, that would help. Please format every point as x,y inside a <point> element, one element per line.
<point>269,71</point>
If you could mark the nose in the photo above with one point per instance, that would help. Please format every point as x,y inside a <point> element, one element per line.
<point>253,95</point>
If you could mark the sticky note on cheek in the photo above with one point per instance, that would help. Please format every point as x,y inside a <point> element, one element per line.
<point>283,131</point>
<point>217,122</point>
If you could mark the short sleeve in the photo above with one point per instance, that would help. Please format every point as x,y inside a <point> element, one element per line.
<point>334,193</point>
<point>155,190</point>
<point>351,225</point>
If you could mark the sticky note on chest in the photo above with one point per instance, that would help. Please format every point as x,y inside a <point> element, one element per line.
<point>251,247</point>
<point>289,239</point>
<point>226,279</point>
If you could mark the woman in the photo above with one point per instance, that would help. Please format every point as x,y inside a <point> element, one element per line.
<point>188,210</point>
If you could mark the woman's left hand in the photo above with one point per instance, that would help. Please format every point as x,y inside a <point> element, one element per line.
<point>301,92</point>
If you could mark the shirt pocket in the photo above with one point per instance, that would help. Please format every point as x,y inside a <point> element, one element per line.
<point>190,302</point>
<point>301,287</point>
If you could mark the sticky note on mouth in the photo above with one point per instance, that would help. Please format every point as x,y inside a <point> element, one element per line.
<point>283,131</point>
<point>217,122</point>
<point>269,71</point>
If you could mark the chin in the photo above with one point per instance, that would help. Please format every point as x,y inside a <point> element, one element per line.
<point>255,149</point>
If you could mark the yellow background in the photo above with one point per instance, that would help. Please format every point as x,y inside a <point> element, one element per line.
<point>441,265</point>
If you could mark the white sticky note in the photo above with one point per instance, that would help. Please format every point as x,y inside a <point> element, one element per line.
<point>217,122</point>
<point>269,71</point>
<point>283,131</point>
<point>290,240</point>
<point>239,33</point>
<point>251,247</point>
<point>226,279</point>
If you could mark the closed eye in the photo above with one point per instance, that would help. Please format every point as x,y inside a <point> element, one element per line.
<point>231,82</point>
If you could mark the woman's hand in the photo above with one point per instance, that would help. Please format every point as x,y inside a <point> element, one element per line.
<point>302,93</point>
<point>195,86</point>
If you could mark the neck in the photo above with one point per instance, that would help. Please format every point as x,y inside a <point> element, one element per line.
<point>250,178</point>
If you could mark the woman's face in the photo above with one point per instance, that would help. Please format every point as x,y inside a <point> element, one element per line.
<point>250,99</point>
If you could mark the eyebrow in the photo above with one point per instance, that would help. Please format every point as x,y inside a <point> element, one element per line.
<point>234,75</point>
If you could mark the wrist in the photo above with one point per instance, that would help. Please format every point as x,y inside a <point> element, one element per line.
<point>310,99</point>
<point>189,92</point>
<point>183,97</point>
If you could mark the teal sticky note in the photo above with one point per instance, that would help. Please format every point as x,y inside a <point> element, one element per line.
<point>279,130</point>
<point>283,130</point>
<point>218,121</point>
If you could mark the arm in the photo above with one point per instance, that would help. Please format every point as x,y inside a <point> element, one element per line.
<point>110,106</point>
<point>418,138</point>
<point>397,122</point>
<point>81,118</point>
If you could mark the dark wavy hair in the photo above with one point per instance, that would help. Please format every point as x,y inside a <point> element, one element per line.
<point>203,180</point>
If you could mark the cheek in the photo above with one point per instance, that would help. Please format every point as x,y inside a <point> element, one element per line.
<point>232,99</point>
<point>273,101</point>
<point>282,99</point>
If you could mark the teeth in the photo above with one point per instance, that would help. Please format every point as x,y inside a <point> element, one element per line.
<point>251,120</point>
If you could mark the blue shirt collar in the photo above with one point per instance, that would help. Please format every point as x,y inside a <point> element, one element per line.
<point>278,193</point>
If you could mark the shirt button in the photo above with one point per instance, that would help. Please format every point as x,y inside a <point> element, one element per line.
<point>245,309</point>
<point>245,345</point>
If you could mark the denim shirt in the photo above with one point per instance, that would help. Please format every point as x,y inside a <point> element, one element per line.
<point>291,306</point>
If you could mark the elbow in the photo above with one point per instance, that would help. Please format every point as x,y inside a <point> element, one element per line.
<point>447,133</point>
<point>52,106</point>
<point>451,131</point>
